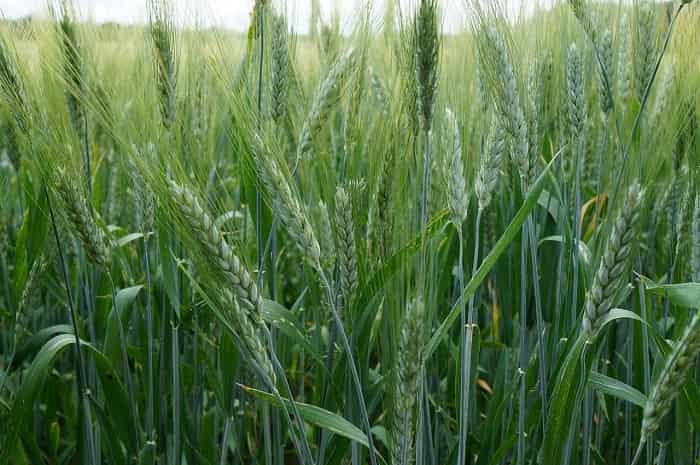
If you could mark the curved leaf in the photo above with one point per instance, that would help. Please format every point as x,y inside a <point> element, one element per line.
<point>616,388</point>
<point>124,301</point>
<point>316,416</point>
<point>683,294</point>
<point>42,365</point>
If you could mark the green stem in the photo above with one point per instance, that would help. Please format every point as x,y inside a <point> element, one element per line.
<point>353,367</point>
<point>82,380</point>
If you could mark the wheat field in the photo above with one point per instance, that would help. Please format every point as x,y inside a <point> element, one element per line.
<point>383,245</point>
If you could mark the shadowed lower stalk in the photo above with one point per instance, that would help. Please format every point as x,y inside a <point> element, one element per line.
<point>80,361</point>
<point>351,364</point>
<point>468,335</point>
<point>125,359</point>
<point>150,347</point>
<point>522,349</point>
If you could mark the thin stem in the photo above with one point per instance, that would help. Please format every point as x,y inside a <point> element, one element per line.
<point>82,380</point>
<point>125,358</point>
<point>424,210</point>
<point>149,342</point>
<point>175,353</point>
<point>522,363</point>
<point>305,449</point>
<point>467,332</point>
<point>530,230</point>
<point>353,368</point>
<point>464,384</point>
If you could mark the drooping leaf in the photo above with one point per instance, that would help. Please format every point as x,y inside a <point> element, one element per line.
<point>683,294</point>
<point>316,416</point>
<point>616,388</point>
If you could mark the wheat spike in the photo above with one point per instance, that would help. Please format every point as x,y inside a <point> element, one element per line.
<point>288,207</point>
<point>695,241</point>
<point>83,218</point>
<point>409,368</point>
<point>347,251</point>
<point>426,44</point>
<point>613,266</point>
<point>671,379</point>
<point>219,252</point>
<point>489,166</point>
<point>325,98</point>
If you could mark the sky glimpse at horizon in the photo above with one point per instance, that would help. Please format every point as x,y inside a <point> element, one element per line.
<point>235,14</point>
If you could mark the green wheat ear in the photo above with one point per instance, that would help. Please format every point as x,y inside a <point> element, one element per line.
<point>612,271</point>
